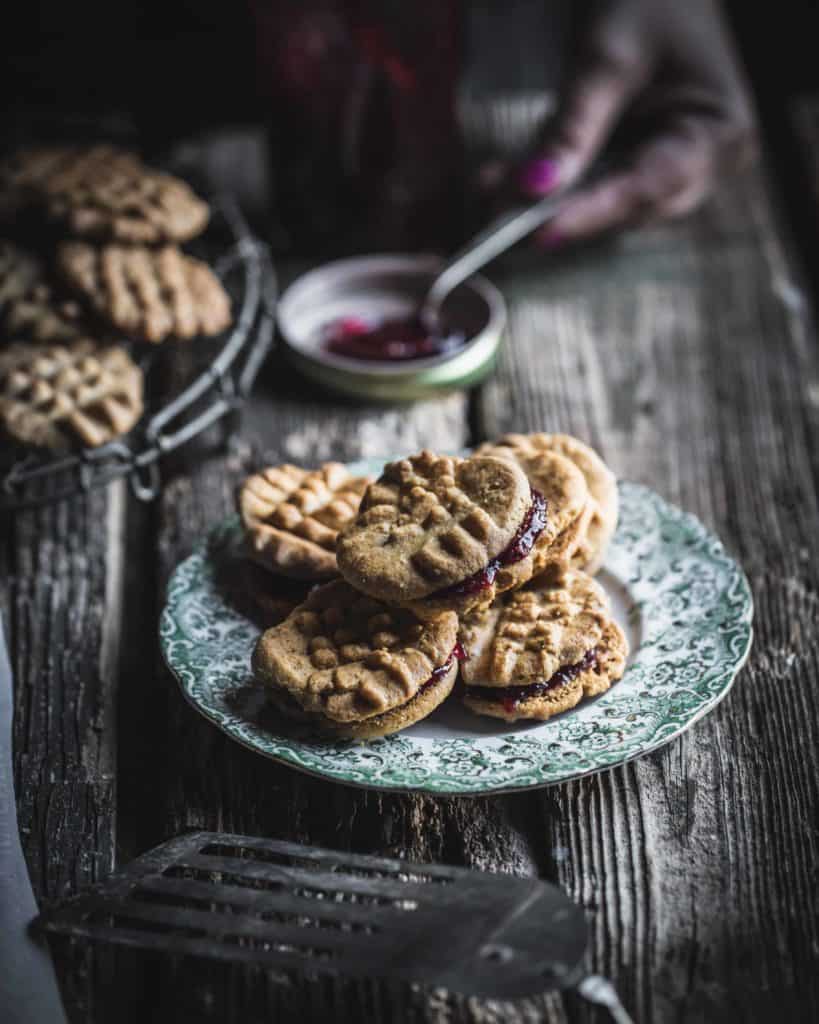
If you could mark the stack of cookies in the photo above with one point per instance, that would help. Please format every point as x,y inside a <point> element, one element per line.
<point>109,270</point>
<point>476,567</point>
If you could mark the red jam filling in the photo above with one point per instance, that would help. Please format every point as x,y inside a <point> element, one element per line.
<point>517,549</point>
<point>458,654</point>
<point>390,340</point>
<point>511,697</point>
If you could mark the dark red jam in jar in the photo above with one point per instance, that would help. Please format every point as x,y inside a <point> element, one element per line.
<point>517,549</point>
<point>512,697</point>
<point>390,340</point>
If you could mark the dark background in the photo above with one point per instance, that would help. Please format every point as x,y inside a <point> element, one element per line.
<point>191,61</point>
<point>179,66</point>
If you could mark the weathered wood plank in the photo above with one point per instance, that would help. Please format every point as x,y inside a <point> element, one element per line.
<point>688,357</point>
<point>60,593</point>
<point>665,367</point>
<point>206,781</point>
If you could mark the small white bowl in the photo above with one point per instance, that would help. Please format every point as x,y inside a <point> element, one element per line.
<point>388,287</point>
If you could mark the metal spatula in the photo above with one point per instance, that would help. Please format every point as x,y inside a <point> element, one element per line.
<point>294,907</point>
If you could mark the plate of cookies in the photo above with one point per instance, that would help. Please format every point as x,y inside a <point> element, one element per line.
<point>507,618</point>
<point>96,289</point>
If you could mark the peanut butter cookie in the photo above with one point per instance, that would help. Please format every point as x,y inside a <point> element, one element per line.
<point>51,395</point>
<point>102,192</point>
<point>292,517</point>
<point>151,294</point>
<point>356,667</point>
<point>541,650</point>
<point>437,532</point>
<point>589,547</point>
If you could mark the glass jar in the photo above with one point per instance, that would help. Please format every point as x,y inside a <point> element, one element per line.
<point>365,144</point>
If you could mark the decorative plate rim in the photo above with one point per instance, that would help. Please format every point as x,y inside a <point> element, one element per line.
<point>672,560</point>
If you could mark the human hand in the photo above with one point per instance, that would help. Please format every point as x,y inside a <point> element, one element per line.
<point>663,75</point>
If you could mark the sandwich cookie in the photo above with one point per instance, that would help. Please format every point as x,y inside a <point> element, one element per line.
<point>292,517</point>
<point>436,532</point>
<point>586,546</point>
<point>355,668</point>
<point>541,650</point>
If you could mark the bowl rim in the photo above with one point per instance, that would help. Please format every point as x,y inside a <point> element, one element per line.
<point>338,271</point>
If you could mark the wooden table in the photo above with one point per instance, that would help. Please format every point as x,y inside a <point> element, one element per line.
<point>686,354</point>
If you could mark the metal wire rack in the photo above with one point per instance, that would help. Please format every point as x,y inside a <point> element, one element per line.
<point>210,378</point>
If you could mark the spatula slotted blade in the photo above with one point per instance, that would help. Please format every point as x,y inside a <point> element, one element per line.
<point>294,907</point>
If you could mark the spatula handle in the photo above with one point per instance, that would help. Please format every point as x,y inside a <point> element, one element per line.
<point>600,991</point>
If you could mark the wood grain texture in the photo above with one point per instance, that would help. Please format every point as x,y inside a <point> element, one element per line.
<point>60,594</point>
<point>203,780</point>
<point>61,591</point>
<point>688,357</point>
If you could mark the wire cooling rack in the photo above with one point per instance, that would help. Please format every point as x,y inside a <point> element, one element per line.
<point>189,385</point>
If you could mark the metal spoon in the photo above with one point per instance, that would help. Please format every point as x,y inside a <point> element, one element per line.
<point>500,235</point>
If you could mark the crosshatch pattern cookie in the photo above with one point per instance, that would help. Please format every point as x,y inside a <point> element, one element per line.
<point>601,515</point>
<point>356,666</point>
<point>151,294</point>
<point>29,310</point>
<point>292,517</point>
<point>438,532</point>
<point>563,486</point>
<point>103,193</point>
<point>52,394</point>
<point>541,650</point>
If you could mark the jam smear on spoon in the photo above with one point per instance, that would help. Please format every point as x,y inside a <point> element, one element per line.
<point>517,549</point>
<point>511,697</point>
<point>389,340</point>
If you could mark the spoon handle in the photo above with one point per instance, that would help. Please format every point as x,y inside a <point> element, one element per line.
<point>497,237</point>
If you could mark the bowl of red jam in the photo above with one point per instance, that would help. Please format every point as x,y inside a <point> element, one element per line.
<point>353,327</point>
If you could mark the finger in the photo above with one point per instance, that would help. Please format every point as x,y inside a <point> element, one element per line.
<point>667,177</point>
<point>610,74</point>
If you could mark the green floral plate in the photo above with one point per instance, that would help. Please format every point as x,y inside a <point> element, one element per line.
<point>685,606</point>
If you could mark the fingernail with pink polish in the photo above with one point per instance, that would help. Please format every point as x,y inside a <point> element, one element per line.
<point>538,176</point>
